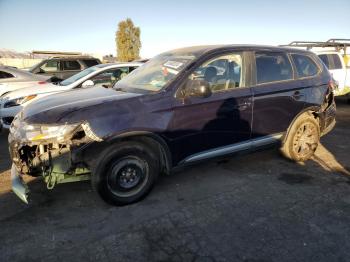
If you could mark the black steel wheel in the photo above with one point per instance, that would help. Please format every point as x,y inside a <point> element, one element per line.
<point>126,173</point>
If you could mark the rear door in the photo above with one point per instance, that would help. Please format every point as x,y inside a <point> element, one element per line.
<point>278,98</point>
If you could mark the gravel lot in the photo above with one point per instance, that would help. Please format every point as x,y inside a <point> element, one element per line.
<point>254,208</point>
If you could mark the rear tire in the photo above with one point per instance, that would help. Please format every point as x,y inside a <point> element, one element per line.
<point>126,173</point>
<point>302,138</point>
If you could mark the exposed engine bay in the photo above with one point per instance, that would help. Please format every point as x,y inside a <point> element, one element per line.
<point>50,152</point>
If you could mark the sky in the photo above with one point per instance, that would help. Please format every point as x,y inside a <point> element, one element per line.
<point>90,26</point>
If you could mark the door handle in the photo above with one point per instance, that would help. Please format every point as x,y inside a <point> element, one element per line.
<point>244,106</point>
<point>297,95</point>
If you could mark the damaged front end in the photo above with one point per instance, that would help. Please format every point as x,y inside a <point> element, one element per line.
<point>52,152</point>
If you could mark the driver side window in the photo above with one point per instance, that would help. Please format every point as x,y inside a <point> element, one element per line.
<point>222,73</point>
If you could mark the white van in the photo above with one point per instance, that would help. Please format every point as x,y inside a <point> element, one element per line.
<point>334,55</point>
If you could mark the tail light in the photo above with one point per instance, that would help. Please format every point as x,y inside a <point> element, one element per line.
<point>42,82</point>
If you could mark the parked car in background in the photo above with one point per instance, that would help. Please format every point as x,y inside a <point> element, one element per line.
<point>12,78</point>
<point>334,55</point>
<point>181,107</point>
<point>103,75</point>
<point>64,66</point>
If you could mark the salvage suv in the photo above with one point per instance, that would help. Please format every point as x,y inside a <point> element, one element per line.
<point>181,107</point>
<point>63,67</point>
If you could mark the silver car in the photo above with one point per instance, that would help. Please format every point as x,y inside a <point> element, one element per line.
<point>12,79</point>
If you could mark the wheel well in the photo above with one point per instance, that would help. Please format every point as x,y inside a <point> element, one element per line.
<point>311,110</point>
<point>156,144</point>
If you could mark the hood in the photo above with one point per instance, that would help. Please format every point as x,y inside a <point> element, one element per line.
<point>35,90</point>
<point>73,105</point>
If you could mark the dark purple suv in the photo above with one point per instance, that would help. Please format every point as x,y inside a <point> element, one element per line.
<point>181,107</point>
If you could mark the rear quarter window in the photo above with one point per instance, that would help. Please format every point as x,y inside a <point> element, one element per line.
<point>90,62</point>
<point>305,66</point>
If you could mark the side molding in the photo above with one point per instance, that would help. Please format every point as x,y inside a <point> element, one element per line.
<point>220,151</point>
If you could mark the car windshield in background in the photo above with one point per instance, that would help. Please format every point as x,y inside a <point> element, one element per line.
<point>78,76</point>
<point>157,72</point>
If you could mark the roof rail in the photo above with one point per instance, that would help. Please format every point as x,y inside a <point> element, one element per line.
<point>71,56</point>
<point>302,43</point>
<point>36,52</point>
<point>338,44</point>
<point>338,40</point>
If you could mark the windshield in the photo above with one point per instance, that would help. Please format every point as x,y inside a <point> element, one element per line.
<point>157,72</point>
<point>78,76</point>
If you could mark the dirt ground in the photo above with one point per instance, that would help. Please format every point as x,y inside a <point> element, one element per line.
<point>257,207</point>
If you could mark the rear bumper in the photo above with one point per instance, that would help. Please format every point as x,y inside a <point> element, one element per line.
<point>18,186</point>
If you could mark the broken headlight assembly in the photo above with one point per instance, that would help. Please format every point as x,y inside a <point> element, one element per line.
<point>58,133</point>
<point>39,133</point>
<point>36,133</point>
<point>18,101</point>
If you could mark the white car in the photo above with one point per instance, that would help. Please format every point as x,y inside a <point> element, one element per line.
<point>12,79</point>
<point>104,75</point>
<point>334,55</point>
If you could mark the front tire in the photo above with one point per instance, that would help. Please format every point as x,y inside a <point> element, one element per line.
<point>125,173</point>
<point>302,138</point>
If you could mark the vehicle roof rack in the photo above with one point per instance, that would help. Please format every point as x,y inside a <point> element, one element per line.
<point>53,53</point>
<point>71,56</point>
<point>339,40</point>
<point>337,43</point>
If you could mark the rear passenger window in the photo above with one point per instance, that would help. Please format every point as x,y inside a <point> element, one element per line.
<point>272,67</point>
<point>336,62</point>
<point>305,65</point>
<point>4,75</point>
<point>71,65</point>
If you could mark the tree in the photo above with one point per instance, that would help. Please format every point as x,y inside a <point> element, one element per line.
<point>128,41</point>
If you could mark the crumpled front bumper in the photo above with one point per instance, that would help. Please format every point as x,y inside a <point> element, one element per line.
<point>19,187</point>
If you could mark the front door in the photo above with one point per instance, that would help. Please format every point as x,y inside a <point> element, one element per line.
<point>224,118</point>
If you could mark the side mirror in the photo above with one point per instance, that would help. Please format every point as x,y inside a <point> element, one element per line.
<point>88,83</point>
<point>199,88</point>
